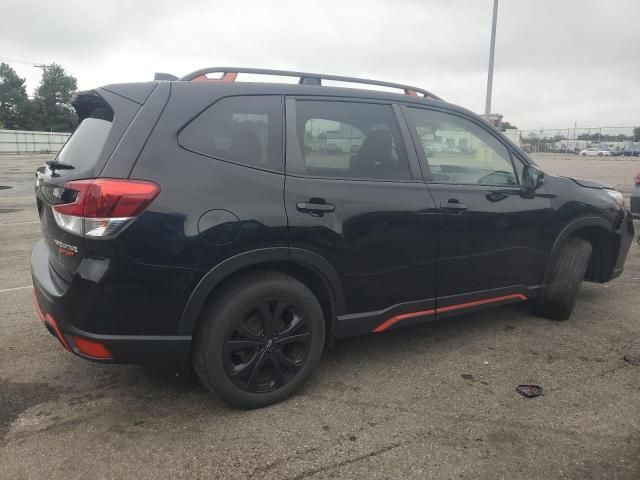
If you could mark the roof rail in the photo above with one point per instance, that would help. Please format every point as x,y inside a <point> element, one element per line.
<point>229,74</point>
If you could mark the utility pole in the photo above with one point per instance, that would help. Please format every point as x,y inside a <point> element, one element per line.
<point>487,107</point>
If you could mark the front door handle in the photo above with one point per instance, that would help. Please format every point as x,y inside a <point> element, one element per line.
<point>453,206</point>
<point>315,209</point>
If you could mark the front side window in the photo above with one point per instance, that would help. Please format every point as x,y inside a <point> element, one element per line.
<point>349,140</point>
<point>245,130</point>
<point>469,154</point>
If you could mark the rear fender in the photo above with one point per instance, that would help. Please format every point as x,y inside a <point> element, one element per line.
<point>218,274</point>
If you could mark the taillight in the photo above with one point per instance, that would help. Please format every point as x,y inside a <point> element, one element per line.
<point>103,207</point>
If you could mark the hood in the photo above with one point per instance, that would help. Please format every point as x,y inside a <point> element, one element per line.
<point>589,183</point>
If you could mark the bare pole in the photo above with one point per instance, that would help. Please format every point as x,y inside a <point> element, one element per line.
<point>487,107</point>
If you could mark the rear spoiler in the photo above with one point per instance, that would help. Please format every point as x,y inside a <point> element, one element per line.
<point>164,76</point>
<point>85,102</point>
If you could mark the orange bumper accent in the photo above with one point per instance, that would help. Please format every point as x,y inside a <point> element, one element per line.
<point>92,349</point>
<point>50,321</point>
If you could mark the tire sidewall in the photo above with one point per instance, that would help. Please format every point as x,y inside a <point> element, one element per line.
<point>227,313</point>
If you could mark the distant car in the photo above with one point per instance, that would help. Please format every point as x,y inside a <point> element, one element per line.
<point>589,152</point>
<point>635,199</point>
<point>592,152</point>
<point>631,151</point>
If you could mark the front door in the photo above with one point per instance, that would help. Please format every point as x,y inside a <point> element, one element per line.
<point>492,242</point>
<point>354,196</point>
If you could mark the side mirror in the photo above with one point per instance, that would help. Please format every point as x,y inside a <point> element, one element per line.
<point>532,179</point>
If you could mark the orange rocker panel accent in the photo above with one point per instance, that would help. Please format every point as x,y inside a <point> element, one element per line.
<point>397,318</point>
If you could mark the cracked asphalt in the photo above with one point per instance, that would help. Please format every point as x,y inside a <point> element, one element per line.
<point>434,401</point>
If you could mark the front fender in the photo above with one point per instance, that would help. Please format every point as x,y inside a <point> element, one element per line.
<point>571,227</point>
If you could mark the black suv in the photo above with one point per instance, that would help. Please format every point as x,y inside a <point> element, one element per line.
<point>241,226</point>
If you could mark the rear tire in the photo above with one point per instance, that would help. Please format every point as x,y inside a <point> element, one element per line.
<point>259,339</point>
<point>567,275</point>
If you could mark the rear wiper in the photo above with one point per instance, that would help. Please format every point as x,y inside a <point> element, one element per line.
<point>55,165</point>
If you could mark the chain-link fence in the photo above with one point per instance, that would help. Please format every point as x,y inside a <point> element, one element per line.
<point>604,141</point>
<point>22,141</point>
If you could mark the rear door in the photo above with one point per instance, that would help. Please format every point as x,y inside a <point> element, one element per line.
<point>354,196</point>
<point>492,242</point>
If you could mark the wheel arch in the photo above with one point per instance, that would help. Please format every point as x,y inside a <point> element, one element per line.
<point>308,267</point>
<point>598,232</point>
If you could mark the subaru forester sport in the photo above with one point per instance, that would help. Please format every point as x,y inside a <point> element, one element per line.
<point>242,226</point>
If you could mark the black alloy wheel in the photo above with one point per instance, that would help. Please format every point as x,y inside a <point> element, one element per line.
<point>266,345</point>
<point>259,339</point>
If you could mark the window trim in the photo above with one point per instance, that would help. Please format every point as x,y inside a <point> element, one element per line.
<point>279,171</point>
<point>293,154</point>
<point>424,163</point>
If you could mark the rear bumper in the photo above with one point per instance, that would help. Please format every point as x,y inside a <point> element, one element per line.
<point>54,304</point>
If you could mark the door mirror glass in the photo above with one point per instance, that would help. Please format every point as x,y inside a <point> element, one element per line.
<point>532,177</point>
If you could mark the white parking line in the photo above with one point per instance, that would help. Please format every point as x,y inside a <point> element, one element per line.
<point>14,288</point>
<point>20,223</point>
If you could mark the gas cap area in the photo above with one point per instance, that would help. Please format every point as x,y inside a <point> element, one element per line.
<point>218,227</point>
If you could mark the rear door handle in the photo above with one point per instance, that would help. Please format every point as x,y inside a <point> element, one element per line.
<point>453,206</point>
<point>315,209</point>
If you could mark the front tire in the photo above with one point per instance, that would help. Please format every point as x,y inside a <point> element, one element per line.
<point>259,339</point>
<point>567,275</point>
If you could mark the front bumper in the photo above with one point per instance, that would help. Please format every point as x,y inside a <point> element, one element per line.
<point>635,203</point>
<point>626,233</point>
<point>54,304</point>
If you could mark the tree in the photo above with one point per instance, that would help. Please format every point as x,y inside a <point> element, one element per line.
<point>13,99</point>
<point>636,134</point>
<point>506,125</point>
<point>52,109</point>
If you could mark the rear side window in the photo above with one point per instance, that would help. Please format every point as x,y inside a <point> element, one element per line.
<point>84,147</point>
<point>245,130</point>
<point>349,140</point>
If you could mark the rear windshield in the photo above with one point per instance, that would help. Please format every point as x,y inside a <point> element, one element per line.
<point>83,149</point>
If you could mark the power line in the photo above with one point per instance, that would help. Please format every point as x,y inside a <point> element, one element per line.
<point>23,62</point>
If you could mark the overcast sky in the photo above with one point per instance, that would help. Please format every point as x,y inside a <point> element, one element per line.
<point>556,61</point>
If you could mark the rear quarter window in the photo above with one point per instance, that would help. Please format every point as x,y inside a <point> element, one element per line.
<point>244,129</point>
<point>84,147</point>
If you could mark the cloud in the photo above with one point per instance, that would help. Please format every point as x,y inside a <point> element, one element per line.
<point>556,62</point>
